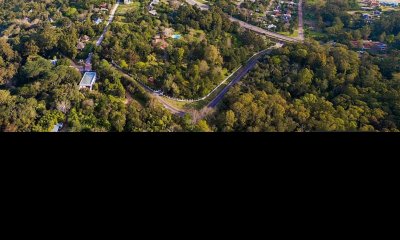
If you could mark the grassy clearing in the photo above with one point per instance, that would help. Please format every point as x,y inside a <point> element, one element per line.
<point>124,8</point>
<point>316,2</point>
<point>315,34</point>
<point>396,76</point>
<point>294,34</point>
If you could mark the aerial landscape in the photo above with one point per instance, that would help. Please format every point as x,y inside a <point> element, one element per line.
<point>199,65</point>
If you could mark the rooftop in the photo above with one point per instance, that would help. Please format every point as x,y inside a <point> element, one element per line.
<point>57,127</point>
<point>88,79</point>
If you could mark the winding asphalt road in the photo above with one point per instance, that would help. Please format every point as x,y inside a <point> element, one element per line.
<point>217,99</point>
<point>241,73</point>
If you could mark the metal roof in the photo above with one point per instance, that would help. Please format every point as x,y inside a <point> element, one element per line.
<point>88,79</point>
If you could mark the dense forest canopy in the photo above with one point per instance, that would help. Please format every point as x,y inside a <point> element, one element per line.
<point>313,88</point>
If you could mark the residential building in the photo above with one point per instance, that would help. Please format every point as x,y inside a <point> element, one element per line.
<point>88,80</point>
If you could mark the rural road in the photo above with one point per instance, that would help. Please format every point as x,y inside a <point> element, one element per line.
<point>214,102</point>
<point>241,73</point>
<point>101,38</point>
<point>112,15</point>
<point>301,24</point>
<point>202,6</point>
<point>168,106</point>
<point>243,24</point>
<point>273,35</point>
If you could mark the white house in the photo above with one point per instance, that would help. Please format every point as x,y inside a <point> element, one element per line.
<point>98,21</point>
<point>57,127</point>
<point>88,80</point>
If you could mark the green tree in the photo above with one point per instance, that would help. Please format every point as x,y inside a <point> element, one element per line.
<point>202,126</point>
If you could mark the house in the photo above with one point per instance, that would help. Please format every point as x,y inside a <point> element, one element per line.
<point>151,8</point>
<point>287,17</point>
<point>366,16</point>
<point>380,46</point>
<point>87,67</point>
<point>371,3</point>
<point>80,46</point>
<point>98,21</point>
<point>127,1</point>
<point>376,12</point>
<point>389,3</point>
<point>88,80</point>
<point>154,2</point>
<point>158,41</point>
<point>369,45</point>
<point>57,127</point>
<point>84,39</point>
<point>168,32</point>
<point>54,62</point>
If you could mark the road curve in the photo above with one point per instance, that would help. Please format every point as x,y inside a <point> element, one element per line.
<point>241,73</point>
<point>214,102</point>
<point>168,106</point>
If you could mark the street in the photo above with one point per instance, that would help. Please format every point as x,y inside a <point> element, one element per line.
<point>200,5</point>
<point>88,60</point>
<point>273,35</point>
<point>243,24</point>
<point>301,24</point>
<point>250,65</point>
<point>112,14</point>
